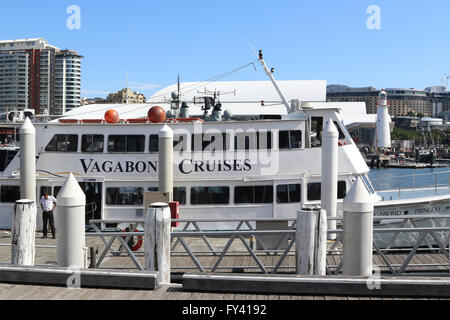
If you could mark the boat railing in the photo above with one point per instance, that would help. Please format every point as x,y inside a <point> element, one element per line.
<point>435,182</point>
<point>211,250</point>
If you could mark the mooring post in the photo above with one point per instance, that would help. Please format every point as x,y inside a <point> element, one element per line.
<point>28,161</point>
<point>157,240</point>
<point>23,228</point>
<point>329,190</point>
<point>71,224</point>
<point>166,161</point>
<point>311,241</point>
<point>320,254</point>
<point>358,231</point>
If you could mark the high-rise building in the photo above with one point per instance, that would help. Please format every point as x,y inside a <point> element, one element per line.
<point>39,76</point>
<point>402,102</point>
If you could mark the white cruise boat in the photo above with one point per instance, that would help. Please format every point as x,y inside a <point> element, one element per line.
<point>257,165</point>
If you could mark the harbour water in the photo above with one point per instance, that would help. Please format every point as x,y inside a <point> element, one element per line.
<point>393,178</point>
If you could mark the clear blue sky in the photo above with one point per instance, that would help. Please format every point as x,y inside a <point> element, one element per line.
<point>315,39</point>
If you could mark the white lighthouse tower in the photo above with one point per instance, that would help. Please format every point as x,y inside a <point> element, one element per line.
<point>383,131</point>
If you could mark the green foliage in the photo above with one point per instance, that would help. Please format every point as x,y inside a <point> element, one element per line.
<point>402,134</point>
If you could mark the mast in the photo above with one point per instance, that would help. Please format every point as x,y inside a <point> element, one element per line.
<point>127,89</point>
<point>269,74</point>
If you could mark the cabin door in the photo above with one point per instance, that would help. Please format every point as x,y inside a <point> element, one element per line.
<point>93,192</point>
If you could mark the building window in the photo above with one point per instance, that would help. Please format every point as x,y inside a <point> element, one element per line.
<point>92,143</point>
<point>210,195</point>
<point>63,143</point>
<point>253,194</point>
<point>288,193</point>
<point>131,143</point>
<point>124,196</point>
<point>9,194</point>
<point>290,139</point>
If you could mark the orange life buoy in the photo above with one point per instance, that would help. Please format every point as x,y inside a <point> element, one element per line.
<point>136,246</point>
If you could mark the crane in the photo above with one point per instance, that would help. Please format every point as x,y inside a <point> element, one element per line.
<point>445,80</point>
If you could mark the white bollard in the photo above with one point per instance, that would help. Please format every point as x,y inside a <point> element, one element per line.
<point>28,161</point>
<point>157,240</point>
<point>166,160</point>
<point>320,259</point>
<point>358,231</point>
<point>71,224</point>
<point>330,169</point>
<point>311,241</point>
<point>23,228</point>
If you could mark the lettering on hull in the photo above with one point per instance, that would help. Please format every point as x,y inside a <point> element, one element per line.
<point>186,166</point>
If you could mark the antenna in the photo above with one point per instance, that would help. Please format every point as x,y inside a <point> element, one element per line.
<point>277,88</point>
<point>445,80</point>
<point>127,89</point>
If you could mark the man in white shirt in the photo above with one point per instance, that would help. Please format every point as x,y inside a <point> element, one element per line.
<point>48,204</point>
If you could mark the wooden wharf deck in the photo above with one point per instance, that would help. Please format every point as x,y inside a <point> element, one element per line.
<point>182,263</point>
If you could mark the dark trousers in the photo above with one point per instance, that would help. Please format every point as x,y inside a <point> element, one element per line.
<point>48,216</point>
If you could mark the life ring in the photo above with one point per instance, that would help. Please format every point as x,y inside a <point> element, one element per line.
<point>133,246</point>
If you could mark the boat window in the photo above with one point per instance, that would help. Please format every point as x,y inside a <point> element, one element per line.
<point>45,189</point>
<point>253,194</point>
<point>130,143</point>
<point>288,193</point>
<point>179,194</point>
<point>341,133</point>
<point>56,191</point>
<point>316,131</point>
<point>203,142</point>
<point>179,142</point>
<point>9,194</point>
<point>290,139</point>
<point>315,189</point>
<point>210,195</point>
<point>92,143</point>
<point>63,143</point>
<point>261,140</point>
<point>124,196</point>
<point>264,140</point>
<point>154,143</point>
<point>246,141</point>
<point>368,184</point>
<point>6,156</point>
<point>342,189</point>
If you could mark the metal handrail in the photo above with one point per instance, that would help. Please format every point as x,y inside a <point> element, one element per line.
<point>289,235</point>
